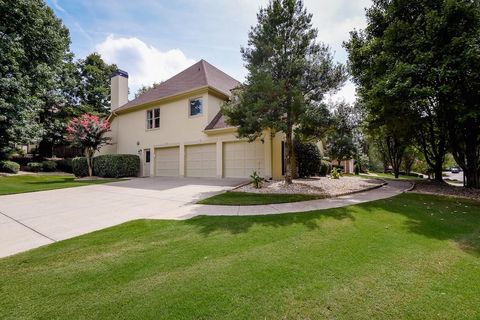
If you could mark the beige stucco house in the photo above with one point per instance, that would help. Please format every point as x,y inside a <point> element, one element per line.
<point>177,129</point>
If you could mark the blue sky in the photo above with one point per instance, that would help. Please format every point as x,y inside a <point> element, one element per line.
<point>153,40</point>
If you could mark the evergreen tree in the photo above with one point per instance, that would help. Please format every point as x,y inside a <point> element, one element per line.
<point>289,73</point>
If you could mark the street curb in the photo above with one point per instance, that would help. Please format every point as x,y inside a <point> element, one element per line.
<point>411,187</point>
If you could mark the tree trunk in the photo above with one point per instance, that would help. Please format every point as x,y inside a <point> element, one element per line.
<point>396,170</point>
<point>289,156</point>
<point>89,156</point>
<point>438,171</point>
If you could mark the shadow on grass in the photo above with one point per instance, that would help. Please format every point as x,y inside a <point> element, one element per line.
<point>241,224</point>
<point>436,217</point>
<point>52,182</point>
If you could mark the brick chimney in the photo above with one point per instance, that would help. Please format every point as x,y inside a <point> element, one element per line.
<point>119,89</point>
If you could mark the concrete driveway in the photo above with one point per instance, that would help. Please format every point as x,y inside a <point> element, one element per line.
<point>34,219</point>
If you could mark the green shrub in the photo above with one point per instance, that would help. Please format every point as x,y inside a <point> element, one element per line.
<point>256,180</point>
<point>34,166</point>
<point>308,158</point>
<point>325,168</point>
<point>80,167</point>
<point>335,173</point>
<point>65,165</point>
<point>9,166</point>
<point>116,165</point>
<point>49,166</point>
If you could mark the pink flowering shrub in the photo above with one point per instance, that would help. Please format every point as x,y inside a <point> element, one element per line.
<point>87,132</point>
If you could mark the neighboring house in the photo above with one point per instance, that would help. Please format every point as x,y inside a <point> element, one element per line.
<point>348,165</point>
<point>178,130</point>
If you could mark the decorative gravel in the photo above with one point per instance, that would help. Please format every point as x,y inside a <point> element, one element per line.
<point>432,187</point>
<point>319,186</point>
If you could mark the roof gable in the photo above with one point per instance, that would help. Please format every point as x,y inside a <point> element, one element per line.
<point>201,74</point>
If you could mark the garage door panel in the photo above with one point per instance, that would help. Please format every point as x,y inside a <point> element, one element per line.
<point>167,161</point>
<point>201,160</point>
<point>240,159</point>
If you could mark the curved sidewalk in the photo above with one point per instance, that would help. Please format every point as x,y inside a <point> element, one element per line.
<point>391,189</point>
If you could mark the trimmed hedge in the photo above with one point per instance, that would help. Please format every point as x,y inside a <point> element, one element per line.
<point>9,166</point>
<point>34,166</point>
<point>116,165</point>
<point>308,158</point>
<point>49,166</point>
<point>108,166</point>
<point>80,166</point>
<point>65,165</point>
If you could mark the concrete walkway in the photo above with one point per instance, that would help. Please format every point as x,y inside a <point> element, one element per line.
<point>31,220</point>
<point>391,189</point>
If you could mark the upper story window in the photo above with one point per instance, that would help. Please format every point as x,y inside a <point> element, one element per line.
<point>195,107</point>
<point>153,118</point>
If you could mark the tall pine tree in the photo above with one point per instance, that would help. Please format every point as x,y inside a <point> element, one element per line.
<point>289,73</point>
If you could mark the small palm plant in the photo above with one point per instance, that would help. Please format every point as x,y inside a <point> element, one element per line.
<point>256,180</point>
<point>336,173</point>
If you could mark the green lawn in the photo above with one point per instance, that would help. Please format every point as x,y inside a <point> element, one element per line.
<point>29,183</point>
<point>391,176</point>
<point>408,257</point>
<point>247,198</point>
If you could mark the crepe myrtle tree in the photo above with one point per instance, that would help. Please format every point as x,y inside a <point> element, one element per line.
<point>289,73</point>
<point>88,132</point>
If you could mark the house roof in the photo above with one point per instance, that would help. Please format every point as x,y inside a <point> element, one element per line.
<point>218,122</point>
<point>201,74</point>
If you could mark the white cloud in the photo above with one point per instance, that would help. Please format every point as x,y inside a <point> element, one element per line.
<point>347,93</point>
<point>145,64</point>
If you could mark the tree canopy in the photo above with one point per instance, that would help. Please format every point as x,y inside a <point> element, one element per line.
<point>94,84</point>
<point>34,44</point>
<point>410,65</point>
<point>289,73</point>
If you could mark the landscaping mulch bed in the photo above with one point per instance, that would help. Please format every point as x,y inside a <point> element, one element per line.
<point>432,187</point>
<point>321,186</point>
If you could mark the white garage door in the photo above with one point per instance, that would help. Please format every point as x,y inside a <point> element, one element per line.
<point>167,161</point>
<point>240,159</point>
<point>201,160</point>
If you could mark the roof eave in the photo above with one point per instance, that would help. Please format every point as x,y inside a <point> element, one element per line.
<point>220,130</point>
<point>173,97</point>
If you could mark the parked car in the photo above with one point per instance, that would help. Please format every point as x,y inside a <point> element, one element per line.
<point>455,170</point>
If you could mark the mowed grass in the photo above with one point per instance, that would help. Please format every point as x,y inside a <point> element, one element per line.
<point>249,198</point>
<point>30,183</point>
<point>391,176</point>
<point>409,257</point>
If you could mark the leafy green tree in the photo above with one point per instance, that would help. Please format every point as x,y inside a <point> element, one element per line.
<point>144,89</point>
<point>341,143</point>
<point>425,53</point>
<point>94,84</point>
<point>410,155</point>
<point>33,46</point>
<point>464,86</point>
<point>60,105</point>
<point>289,73</point>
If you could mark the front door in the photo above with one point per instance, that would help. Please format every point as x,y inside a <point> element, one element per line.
<point>146,162</point>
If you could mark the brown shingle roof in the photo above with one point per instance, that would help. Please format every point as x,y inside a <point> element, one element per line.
<point>201,74</point>
<point>218,122</point>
